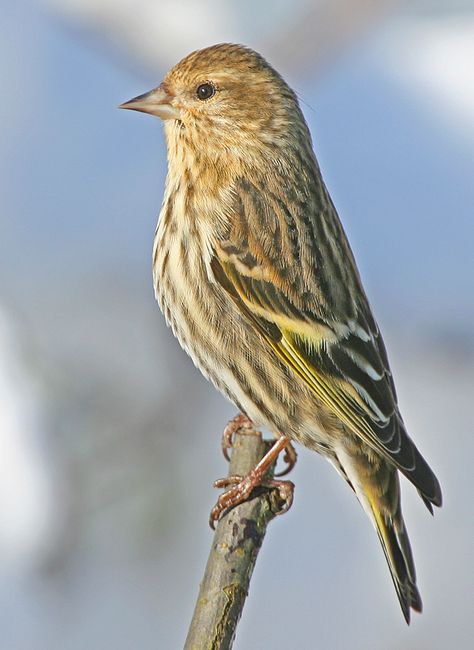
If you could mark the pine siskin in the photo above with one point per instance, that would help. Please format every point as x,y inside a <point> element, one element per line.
<point>255,276</point>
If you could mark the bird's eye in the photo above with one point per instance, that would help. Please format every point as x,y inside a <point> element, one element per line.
<point>205,91</point>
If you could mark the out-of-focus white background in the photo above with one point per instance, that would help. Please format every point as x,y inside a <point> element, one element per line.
<point>109,437</point>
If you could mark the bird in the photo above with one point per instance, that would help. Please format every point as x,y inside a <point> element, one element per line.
<point>254,274</point>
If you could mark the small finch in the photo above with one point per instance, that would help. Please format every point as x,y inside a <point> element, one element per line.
<point>254,274</point>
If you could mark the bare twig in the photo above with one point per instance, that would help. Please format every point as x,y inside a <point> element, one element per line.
<point>237,541</point>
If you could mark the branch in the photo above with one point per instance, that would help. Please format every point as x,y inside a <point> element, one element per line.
<point>237,541</point>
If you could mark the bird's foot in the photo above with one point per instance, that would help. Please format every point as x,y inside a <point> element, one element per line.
<point>242,486</point>
<point>240,423</point>
<point>241,490</point>
<point>243,424</point>
<point>289,457</point>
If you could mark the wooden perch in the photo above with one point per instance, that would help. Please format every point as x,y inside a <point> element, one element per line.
<point>237,541</point>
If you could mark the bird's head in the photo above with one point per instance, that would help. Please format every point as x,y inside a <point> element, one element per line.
<point>224,99</point>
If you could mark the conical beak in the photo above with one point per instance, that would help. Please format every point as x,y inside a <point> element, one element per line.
<point>157,102</point>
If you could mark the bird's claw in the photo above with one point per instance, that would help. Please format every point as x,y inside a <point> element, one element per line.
<point>240,423</point>
<point>241,490</point>
<point>286,490</point>
<point>245,425</point>
<point>289,457</point>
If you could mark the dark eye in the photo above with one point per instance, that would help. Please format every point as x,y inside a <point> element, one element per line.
<point>205,91</point>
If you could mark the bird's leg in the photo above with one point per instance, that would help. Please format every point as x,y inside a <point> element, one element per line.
<point>245,425</point>
<point>243,485</point>
<point>240,422</point>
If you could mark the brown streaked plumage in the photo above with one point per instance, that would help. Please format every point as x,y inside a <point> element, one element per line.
<point>255,276</point>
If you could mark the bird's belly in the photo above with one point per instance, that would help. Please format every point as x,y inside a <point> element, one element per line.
<point>209,340</point>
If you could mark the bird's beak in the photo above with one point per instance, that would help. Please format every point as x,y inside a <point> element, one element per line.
<point>157,102</point>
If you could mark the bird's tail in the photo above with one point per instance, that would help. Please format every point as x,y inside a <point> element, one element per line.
<point>396,546</point>
<point>377,487</point>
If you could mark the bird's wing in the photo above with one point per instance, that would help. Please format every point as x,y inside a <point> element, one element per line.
<point>339,356</point>
<point>340,362</point>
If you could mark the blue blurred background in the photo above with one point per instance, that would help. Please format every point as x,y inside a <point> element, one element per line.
<point>109,437</point>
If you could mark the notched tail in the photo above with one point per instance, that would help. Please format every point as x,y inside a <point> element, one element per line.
<point>397,550</point>
<point>376,484</point>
